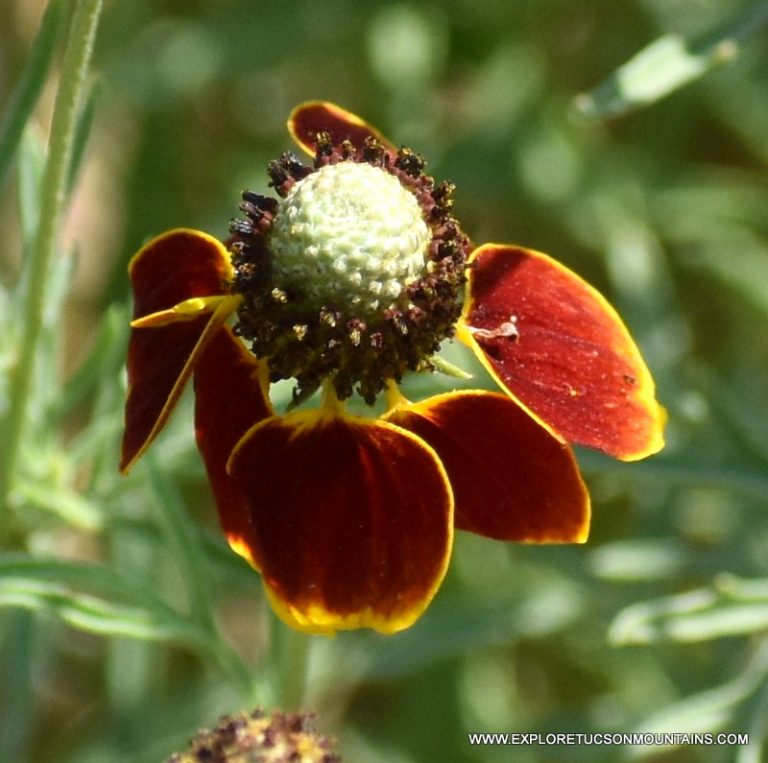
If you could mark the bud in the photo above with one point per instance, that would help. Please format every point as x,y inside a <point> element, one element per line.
<point>260,738</point>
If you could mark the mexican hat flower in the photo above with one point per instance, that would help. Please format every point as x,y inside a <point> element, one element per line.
<point>346,280</point>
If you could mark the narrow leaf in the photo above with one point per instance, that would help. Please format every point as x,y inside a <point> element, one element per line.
<point>93,598</point>
<point>729,608</point>
<point>29,87</point>
<point>667,64</point>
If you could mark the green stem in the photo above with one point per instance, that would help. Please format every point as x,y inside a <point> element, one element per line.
<point>53,193</point>
<point>27,91</point>
<point>184,543</point>
<point>290,653</point>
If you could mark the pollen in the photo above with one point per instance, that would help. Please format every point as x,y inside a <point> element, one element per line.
<point>348,236</point>
<point>353,275</point>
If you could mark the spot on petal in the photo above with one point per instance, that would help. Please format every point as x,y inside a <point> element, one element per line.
<point>353,519</point>
<point>570,360</point>
<point>511,479</point>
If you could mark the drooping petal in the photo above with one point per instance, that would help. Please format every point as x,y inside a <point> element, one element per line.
<point>175,266</point>
<point>229,399</point>
<point>310,118</point>
<point>511,479</point>
<point>555,344</point>
<point>172,268</point>
<point>353,518</point>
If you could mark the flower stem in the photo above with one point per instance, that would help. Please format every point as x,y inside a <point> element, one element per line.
<point>53,197</point>
<point>290,665</point>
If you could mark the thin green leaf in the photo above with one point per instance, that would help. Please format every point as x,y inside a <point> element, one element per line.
<point>48,361</point>
<point>30,167</point>
<point>185,541</point>
<point>758,731</point>
<point>641,559</point>
<point>73,508</point>
<point>667,64</point>
<point>95,615</point>
<point>31,164</point>
<point>74,71</point>
<point>709,710</point>
<point>17,707</point>
<point>29,87</point>
<point>82,133</point>
<point>700,615</point>
<point>93,598</point>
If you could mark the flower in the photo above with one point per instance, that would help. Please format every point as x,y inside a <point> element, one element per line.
<point>258,737</point>
<point>348,280</point>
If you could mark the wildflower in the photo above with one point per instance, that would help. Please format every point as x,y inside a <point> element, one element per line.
<point>256,737</point>
<point>345,282</point>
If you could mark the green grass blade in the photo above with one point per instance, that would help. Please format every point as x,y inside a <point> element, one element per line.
<point>17,644</point>
<point>93,598</point>
<point>731,607</point>
<point>29,87</point>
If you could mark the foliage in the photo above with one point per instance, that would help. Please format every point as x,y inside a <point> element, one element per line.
<point>125,623</point>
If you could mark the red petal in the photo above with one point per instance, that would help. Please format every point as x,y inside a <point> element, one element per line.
<point>557,346</point>
<point>229,400</point>
<point>170,269</point>
<point>175,266</point>
<point>353,516</point>
<point>511,479</point>
<point>313,117</point>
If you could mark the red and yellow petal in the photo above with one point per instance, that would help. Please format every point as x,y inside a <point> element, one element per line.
<point>353,518</point>
<point>230,397</point>
<point>174,268</point>
<point>512,480</point>
<point>556,346</point>
<point>308,119</point>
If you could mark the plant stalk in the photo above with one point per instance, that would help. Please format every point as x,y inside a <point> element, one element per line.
<point>53,199</point>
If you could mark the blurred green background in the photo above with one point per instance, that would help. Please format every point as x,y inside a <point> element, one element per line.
<point>125,622</point>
